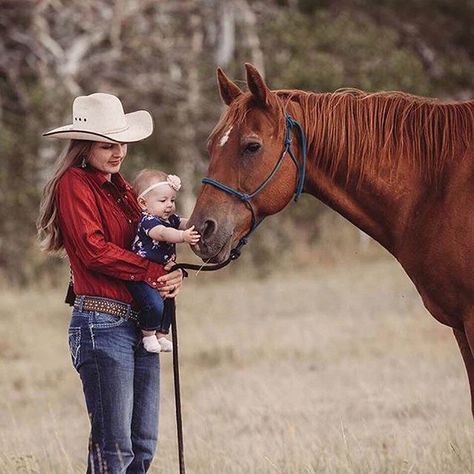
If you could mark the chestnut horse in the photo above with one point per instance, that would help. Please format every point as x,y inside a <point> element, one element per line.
<point>399,167</point>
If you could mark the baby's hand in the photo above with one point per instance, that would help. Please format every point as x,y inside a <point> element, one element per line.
<point>191,236</point>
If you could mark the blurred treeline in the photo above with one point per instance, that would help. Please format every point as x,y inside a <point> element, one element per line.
<point>161,55</point>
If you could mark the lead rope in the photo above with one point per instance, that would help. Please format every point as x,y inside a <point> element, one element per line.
<point>177,389</point>
<point>234,255</point>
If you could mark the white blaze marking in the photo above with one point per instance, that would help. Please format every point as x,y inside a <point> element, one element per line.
<point>225,137</point>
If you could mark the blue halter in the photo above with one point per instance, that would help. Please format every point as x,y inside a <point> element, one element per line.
<point>291,124</point>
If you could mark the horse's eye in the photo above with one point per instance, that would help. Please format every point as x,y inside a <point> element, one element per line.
<point>252,147</point>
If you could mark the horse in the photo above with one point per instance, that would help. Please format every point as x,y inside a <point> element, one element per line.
<point>398,166</point>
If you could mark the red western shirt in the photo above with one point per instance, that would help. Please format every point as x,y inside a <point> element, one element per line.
<point>98,220</point>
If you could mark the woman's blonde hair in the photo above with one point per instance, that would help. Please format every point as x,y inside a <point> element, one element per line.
<point>49,232</point>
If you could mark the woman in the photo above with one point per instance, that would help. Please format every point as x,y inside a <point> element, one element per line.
<point>91,212</point>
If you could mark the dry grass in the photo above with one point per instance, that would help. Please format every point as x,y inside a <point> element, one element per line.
<point>336,371</point>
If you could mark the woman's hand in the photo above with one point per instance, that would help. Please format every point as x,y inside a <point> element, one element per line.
<point>171,281</point>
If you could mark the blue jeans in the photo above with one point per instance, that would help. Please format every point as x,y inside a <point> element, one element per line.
<point>121,383</point>
<point>153,316</point>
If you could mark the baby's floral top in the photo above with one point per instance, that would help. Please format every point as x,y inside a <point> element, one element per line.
<point>145,246</point>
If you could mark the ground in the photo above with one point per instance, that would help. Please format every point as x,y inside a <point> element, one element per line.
<point>336,370</point>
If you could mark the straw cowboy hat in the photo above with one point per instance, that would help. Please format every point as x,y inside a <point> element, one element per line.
<point>100,117</point>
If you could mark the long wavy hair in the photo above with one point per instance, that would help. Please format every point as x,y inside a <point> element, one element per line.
<point>49,232</point>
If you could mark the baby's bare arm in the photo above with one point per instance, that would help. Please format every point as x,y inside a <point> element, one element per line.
<point>166,234</point>
<point>175,236</point>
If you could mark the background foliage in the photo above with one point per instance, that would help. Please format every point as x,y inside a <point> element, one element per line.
<point>162,55</point>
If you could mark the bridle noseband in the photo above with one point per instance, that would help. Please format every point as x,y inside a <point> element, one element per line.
<point>290,124</point>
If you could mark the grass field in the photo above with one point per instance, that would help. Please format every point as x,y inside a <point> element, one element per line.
<point>340,370</point>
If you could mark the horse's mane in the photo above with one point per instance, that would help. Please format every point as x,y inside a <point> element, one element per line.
<point>359,131</point>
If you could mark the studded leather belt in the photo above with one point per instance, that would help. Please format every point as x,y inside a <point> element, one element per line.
<point>105,305</point>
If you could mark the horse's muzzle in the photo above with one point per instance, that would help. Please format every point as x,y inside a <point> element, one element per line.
<point>216,240</point>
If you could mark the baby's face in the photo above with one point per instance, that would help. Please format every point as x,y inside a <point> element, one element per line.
<point>160,202</point>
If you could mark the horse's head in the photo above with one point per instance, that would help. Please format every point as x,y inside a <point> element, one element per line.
<point>246,148</point>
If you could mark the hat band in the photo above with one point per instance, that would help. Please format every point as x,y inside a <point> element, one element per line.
<point>117,130</point>
<point>105,132</point>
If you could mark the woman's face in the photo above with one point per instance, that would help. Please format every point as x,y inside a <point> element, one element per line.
<point>107,157</point>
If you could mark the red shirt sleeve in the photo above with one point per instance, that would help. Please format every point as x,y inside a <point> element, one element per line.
<point>98,244</point>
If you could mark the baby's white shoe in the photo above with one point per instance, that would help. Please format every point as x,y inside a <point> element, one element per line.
<point>166,344</point>
<point>151,344</point>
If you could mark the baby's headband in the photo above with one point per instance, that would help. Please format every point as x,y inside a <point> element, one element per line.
<point>172,181</point>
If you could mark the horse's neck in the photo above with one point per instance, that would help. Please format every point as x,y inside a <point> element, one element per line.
<point>377,159</point>
<point>378,207</point>
<point>377,200</point>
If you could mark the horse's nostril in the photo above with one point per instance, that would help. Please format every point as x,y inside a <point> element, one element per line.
<point>208,228</point>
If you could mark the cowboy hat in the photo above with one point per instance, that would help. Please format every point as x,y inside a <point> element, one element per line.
<point>100,117</point>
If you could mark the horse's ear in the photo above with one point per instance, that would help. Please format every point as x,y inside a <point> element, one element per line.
<point>257,85</point>
<point>228,90</point>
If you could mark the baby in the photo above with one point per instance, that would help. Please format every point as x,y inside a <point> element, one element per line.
<point>159,230</point>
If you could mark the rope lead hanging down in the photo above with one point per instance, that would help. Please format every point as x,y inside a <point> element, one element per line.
<point>170,306</point>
